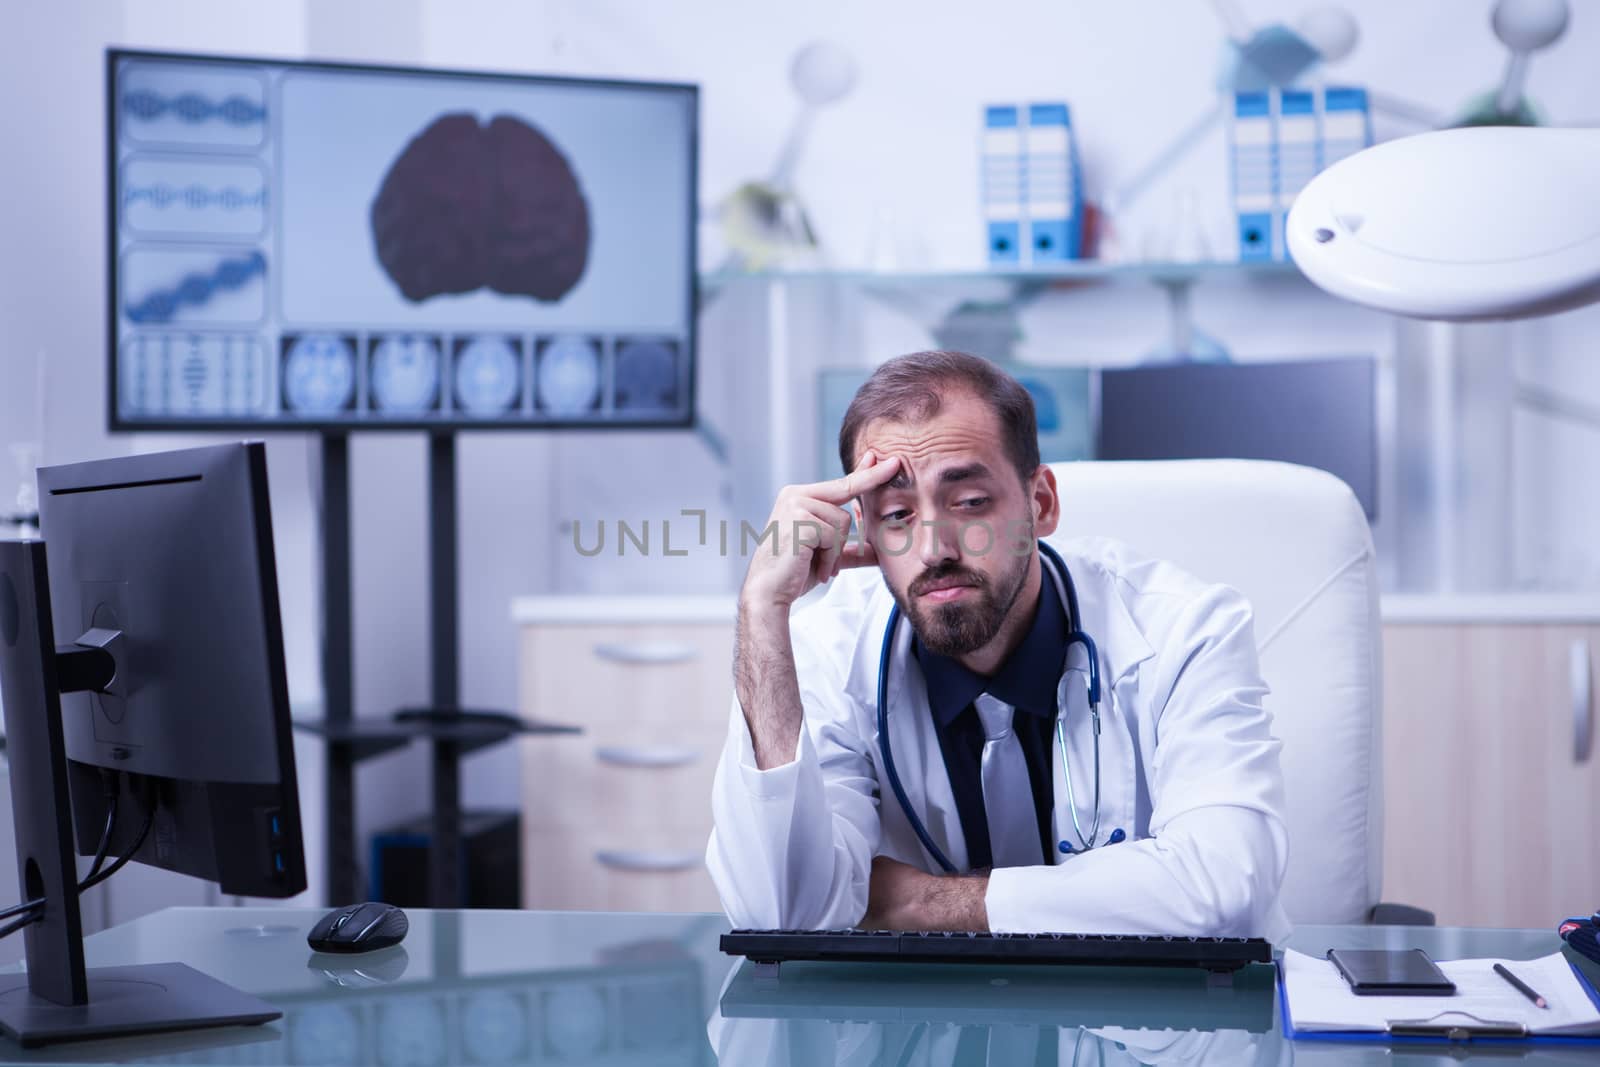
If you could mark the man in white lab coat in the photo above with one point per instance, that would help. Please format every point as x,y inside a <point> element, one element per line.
<point>1179,831</point>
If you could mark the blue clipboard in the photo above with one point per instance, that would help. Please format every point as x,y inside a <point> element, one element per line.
<point>1448,1036</point>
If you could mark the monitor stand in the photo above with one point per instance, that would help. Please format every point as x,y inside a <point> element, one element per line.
<point>59,999</point>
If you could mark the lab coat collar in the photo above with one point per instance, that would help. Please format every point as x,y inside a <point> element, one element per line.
<point>1026,680</point>
<point>1106,618</point>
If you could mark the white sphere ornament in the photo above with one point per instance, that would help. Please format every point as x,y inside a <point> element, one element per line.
<point>1529,25</point>
<point>822,72</point>
<point>1332,31</point>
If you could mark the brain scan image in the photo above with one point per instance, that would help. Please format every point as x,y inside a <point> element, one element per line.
<point>494,1027</point>
<point>344,247</point>
<point>319,374</point>
<point>326,1034</point>
<point>569,376</point>
<point>405,374</point>
<point>467,206</point>
<point>488,376</point>
<point>412,1032</point>
<point>647,376</point>
<point>577,1020</point>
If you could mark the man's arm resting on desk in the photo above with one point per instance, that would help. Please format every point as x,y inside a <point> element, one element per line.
<point>1210,876</point>
<point>1210,873</point>
<point>905,898</point>
<point>1215,857</point>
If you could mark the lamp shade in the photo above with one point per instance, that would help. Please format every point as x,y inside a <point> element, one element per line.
<point>1461,224</point>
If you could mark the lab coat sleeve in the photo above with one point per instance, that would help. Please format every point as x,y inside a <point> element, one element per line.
<point>1217,852</point>
<point>791,847</point>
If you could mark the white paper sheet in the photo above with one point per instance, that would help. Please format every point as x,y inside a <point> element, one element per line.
<point>1321,1000</point>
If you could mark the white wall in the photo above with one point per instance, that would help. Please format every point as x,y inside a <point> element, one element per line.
<point>890,173</point>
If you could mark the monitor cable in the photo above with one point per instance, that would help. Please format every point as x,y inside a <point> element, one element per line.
<point>35,908</point>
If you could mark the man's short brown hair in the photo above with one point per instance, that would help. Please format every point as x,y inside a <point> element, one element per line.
<point>912,389</point>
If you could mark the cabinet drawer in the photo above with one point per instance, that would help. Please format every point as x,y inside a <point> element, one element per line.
<point>585,783</point>
<point>597,675</point>
<point>617,871</point>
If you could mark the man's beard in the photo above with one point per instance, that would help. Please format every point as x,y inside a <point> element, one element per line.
<point>968,624</point>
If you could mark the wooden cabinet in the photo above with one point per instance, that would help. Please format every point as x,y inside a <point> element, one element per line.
<point>1492,790</point>
<point>617,818</point>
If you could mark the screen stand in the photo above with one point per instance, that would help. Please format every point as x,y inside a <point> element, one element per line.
<point>444,876</point>
<point>59,999</point>
<point>441,723</point>
<point>338,672</point>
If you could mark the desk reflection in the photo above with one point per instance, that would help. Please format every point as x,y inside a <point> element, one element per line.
<point>614,993</point>
<point>951,1015</point>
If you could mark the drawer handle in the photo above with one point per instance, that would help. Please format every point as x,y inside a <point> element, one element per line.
<point>643,652</point>
<point>1581,678</point>
<point>632,860</point>
<point>623,756</point>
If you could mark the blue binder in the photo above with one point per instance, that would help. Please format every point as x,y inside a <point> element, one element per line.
<point>1052,196</point>
<point>1003,188</point>
<point>1281,139</point>
<point>1299,158</point>
<point>1346,124</point>
<point>1255,174</point>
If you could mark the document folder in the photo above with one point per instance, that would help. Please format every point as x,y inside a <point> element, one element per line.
<point>1317,1005</point>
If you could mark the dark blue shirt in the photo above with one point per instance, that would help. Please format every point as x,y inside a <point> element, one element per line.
<point>1027,680</point>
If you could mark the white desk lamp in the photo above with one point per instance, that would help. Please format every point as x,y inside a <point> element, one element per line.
<point>1481,222</point>
<point>1474,223</point>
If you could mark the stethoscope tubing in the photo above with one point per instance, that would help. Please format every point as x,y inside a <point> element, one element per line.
<point>1077,636</point>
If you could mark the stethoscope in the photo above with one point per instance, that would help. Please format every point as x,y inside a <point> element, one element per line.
<point>1063,579</point>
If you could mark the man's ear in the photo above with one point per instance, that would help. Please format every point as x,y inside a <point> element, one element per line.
<point>1045,500</point>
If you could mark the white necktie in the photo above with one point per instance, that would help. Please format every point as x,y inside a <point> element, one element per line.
<point>1007,793</point>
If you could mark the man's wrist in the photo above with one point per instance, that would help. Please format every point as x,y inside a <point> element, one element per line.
<point>761,612</point>
<point>955,902</point>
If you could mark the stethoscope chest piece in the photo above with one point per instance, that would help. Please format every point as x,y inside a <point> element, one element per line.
<point>1117,837</point>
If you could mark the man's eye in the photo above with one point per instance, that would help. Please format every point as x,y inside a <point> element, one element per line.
<point>974,502</point>
<point>896,518</point>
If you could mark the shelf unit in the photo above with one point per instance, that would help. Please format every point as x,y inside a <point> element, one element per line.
<point>793,317</point>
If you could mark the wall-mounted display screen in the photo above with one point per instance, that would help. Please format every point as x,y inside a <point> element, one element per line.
<point>307,245</point>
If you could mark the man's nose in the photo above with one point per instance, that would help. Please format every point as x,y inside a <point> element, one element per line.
<point>937,542</point>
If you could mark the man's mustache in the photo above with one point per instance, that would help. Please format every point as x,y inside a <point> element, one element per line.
<point>945,578</point>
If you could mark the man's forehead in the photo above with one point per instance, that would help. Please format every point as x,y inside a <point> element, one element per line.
<point>927,444</point>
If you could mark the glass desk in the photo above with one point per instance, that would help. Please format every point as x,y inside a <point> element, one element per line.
<point>506,987</point>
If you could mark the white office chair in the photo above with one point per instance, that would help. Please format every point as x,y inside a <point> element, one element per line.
<point>1296,543</point>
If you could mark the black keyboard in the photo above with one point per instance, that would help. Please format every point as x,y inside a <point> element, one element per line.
<point>1089,950</point>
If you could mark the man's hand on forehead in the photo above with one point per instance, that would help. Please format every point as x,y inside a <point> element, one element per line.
<point>810,528</point>
<point>870,473</point>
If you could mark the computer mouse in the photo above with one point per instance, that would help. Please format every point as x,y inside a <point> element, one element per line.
<point>359,928</point>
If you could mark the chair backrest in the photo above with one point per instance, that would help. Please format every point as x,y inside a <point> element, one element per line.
<point>1296,543</point>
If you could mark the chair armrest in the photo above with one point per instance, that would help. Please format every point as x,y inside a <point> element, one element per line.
<point>1400,915</point>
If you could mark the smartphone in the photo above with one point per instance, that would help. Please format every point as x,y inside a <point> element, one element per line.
<point>1382,972</point>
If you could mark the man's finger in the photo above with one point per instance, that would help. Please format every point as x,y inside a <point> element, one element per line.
<point>864,477</point>
<point>857,554</point>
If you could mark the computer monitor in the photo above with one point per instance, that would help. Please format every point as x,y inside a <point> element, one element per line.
<point>338,247</point>
<point>1315,412</point>
<point>141,654</point>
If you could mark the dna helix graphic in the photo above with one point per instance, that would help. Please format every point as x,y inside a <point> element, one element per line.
<point>197,288</point>
<point>195,196</point>
<point>149,105</point>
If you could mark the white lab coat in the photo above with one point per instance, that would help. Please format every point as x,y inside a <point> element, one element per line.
<point>1189,763</point>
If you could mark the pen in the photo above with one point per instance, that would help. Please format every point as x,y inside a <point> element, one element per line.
<point>1522,987</point>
